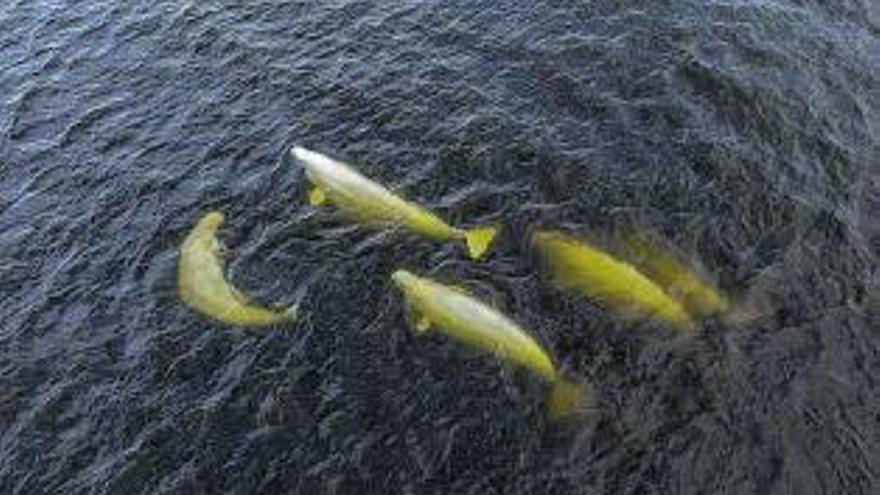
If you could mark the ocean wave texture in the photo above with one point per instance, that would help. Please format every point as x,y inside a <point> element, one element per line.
<point>747,132</point>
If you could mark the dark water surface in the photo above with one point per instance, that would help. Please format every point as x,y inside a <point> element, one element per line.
<point>747,132</point>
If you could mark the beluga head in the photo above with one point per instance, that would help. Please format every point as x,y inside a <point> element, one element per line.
<point>211,221</point>
<point>403,279</point>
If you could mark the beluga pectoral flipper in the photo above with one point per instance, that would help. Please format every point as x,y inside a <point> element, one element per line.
<point>369,202</point>
<point>203,286</point>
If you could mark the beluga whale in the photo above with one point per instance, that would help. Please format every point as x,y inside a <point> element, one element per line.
<point>202,284</point>
<point>369,202</point>
<point>577,265</point>
<point>462,316</point>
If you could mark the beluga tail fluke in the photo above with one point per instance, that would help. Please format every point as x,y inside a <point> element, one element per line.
<point>463,317</point>
<point>203,286</point>
<point>575,264</point>
<point>369,202</point>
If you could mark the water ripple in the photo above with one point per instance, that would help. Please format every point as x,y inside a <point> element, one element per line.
<point>746,132</point>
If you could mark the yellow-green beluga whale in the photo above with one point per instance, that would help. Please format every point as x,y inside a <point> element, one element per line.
<point>574,264</point>
<point>466,319</point>
<point>338,183</point>
<point>694,292</point>
<point>203,286</point>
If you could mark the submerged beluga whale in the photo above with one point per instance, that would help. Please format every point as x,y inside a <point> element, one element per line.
<point>575,264</point>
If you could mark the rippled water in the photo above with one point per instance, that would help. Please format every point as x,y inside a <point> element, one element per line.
<point>745,131</point>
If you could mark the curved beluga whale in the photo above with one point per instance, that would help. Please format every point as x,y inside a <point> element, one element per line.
<point>203,286</point>
<point>372,203</point>
<point>463,317</point>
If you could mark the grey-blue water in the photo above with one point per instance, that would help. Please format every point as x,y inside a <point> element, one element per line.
<point>746,132</point>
